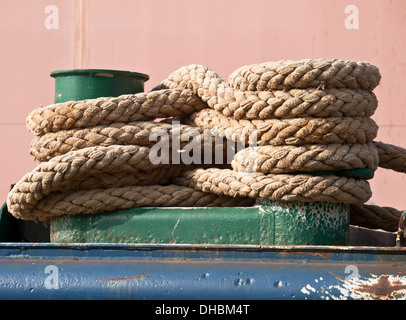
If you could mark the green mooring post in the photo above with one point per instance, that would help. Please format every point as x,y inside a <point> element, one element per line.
<point>81,84</point>
<point>266,223</point>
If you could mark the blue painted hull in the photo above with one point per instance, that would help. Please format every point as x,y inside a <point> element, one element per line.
<point>200,272</point>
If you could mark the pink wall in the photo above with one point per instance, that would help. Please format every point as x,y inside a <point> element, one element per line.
<point>158,36</point>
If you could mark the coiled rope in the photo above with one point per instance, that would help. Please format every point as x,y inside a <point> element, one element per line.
<point>308,116</point>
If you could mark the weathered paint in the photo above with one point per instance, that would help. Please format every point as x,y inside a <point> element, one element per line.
<point>267,223</point>
<point>303,223</point>
<point>382,287</point>
<point>212,272</point>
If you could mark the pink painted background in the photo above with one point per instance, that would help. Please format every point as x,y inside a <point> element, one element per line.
<point>158,36</point>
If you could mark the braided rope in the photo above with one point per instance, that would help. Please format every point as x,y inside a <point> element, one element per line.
<point>391,157</point>
<point>298,131</point>
<point>289,105</point>
<point>96,200</point>
<point>52,144</point>
<point>97,167</point>
<point>296,103</point>
<point>273,132</point>
<point>301,187</point>
<point>126,108</point>
<point>306,73</point>
<point>266,103</point>
<point>286,159</point>
<point>374,217</point>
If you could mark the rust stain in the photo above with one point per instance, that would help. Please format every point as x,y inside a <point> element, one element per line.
<point>383,288</point>
<point>126,278</point>
<point>337,276</point>
<point>310,253</point>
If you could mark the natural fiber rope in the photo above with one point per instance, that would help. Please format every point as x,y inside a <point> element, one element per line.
<point>265,103</point>
<point>391,157</point>
<point>53,144</point>
<point>176,102</point>
<point>97,200</point>
<point>375,217</point>
<point>114,166</point>
<point>306,73</point>
<point>298,131</point>
<point>286,159</point>
<point>289,105</point>
<point>311,102</point>
<point>275,132</point>
<point>304,188</point>
<point>126,108</point>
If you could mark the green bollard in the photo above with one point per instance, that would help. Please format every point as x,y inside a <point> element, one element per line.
<point>267,223</point>
<point>81,84</point>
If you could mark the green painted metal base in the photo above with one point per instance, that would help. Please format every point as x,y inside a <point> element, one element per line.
<point>81,84</point>
<point>271,223</point>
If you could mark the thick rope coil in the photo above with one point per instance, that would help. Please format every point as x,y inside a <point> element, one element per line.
<point>391,157</point>
<point>126,108</point>
<point>97,200</point>
<point>285,187</point>
<point>299,111</point>
<point>287,159</point>
<point>298,131</point>
<point>273,132</point>
<point>299,103</point>
<point>53,144</point>
<point>98,167</point>
<point>374,217</point>
<point>268,103</point>
<point>306,73</point>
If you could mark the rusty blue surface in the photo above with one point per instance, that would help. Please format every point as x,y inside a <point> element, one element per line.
<point>198,272</point>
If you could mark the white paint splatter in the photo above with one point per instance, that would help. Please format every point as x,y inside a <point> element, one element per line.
<point>176,225</point>
<point>348,289</point>
<point>309,287</point>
